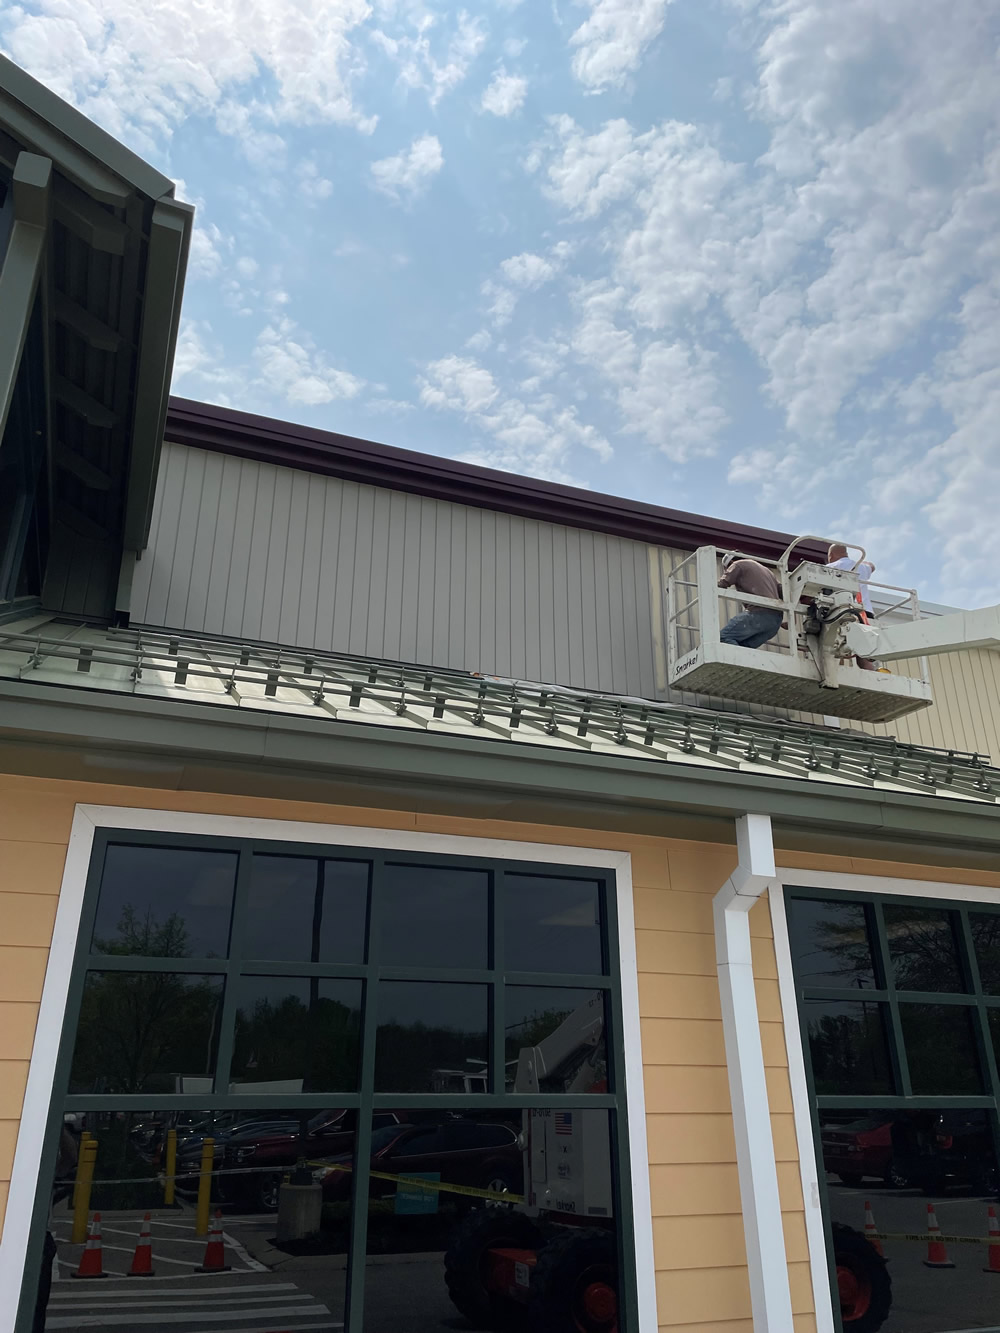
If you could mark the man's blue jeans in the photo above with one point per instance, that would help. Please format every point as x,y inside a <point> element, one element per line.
<point>751,628</point>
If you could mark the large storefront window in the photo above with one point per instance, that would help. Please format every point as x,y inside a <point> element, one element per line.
<point>398,1078</point>
<point>899,1013</point>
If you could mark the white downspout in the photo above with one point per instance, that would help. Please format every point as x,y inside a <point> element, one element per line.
<point>770,1296</point>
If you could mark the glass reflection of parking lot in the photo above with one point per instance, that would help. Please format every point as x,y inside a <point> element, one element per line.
<point>899,1165</point>
<point>489,1219</point>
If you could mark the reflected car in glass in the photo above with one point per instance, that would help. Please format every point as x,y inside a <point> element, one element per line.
<point>862,1150</point>
<point>469,1153</point>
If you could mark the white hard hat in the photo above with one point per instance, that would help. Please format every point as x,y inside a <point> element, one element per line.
<point>728,558</point>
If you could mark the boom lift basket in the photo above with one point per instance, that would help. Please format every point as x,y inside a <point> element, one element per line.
<point>786,672</point>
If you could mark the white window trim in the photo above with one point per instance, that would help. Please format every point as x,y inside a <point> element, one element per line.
<point>41,1074</point>
<point>809,1166</point>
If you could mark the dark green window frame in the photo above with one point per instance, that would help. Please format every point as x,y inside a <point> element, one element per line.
<point>974,999</point>
<point>365,1100</point>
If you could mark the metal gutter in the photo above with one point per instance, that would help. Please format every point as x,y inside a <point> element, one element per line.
<point>286,744</point>
<point>770,1294</point>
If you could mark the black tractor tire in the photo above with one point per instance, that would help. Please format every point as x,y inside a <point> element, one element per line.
<point>851,1179</point>
<point>466,1264</point>
<point>574,1286</point>
<point>863,1281</point>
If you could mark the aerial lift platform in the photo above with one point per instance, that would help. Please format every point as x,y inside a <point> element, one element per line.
<point>811,664</point>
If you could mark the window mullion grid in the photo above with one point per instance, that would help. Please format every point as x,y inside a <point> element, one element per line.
<point>358,1242</point>
<point>984,1033</point>
<point>230,996</point>
<point>897,1051</point>
<point>497,1007</point>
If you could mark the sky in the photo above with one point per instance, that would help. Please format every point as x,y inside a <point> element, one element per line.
<point>738,257</point>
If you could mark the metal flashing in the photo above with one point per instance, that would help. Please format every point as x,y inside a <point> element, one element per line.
<point>296,709</point>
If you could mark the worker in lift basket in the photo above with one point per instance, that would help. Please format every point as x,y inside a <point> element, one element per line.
<point>754,625</point>
<point>837,558</point>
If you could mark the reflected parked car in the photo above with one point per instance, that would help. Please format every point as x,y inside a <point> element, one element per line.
<point>281,1145</point>
<point>861,1150</point>
<point>483,1155</point>
<point>945,1150</point>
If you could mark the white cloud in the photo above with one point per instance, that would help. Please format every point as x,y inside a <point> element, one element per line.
<point>312,185</point>
<point>419,68</point>
<point>534,437</point>
<point>292,366</point>
<point>505,94</point>
<point>610,44</point>
<point>408,173</point>
<point>139,70</point>
<point>528,270</point>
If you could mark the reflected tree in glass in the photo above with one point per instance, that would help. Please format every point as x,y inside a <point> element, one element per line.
<point>923,948</point>
<point>141,1031</point>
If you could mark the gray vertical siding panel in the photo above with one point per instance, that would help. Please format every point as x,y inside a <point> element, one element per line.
<point>203,573</point>
<point>379,580</point>
<point>357,638</point>
<point>234,621</point>
<point>307,609</point>
<point>223,544</point>
<point>292,564</point>
<point>471,658</point>
<point>395,566</point>
<point>252,551</point>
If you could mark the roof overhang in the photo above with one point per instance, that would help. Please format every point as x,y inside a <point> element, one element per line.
<point>110,284</point>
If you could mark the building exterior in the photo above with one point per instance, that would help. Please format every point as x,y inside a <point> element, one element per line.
<point>346,815</point>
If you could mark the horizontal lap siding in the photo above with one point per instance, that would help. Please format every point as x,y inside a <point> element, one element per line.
<point>248,550</point>
<point>699,1252</point>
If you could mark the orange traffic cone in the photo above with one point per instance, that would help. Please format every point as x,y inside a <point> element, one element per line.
<point>215,1250</point>
<point>142,1260</point>
<point>91,1264</point>
<point>993,1266</point>
<point>871,1230</point>
<point>937,1254</point>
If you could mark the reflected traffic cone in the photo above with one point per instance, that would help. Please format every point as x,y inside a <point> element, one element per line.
<point>91,1264</point>
<point>215,1250</point>
<point>993,1265</point>
<point>937,1254</point>
<point>142,1260</point>
<point>871,1230</point>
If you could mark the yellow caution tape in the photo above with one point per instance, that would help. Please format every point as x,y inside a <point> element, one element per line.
<point>436,1186</point>
<point>924,1238</point>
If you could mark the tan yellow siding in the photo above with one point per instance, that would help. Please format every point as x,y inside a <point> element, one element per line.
<point>700,1258</point>
<point>964,714</point>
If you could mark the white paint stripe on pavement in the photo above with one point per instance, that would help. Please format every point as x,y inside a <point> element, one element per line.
<point>188,1317</point>
<point>237,1249</point>
<point>226,1299</point>
<point>82,1293</point>
<point>300,1328</point>
<point>149,1281</point>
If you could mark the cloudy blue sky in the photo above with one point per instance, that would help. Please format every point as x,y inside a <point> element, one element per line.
<point>734,256</point>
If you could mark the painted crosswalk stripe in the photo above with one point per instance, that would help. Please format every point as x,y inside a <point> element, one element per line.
<point>187,1317</point>
<point>187,1300</point>
<point>77,1293</point>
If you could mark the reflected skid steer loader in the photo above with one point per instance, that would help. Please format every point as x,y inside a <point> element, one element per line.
<point>551,1265</point>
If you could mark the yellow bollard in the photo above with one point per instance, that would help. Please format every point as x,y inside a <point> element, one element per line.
<point>171,1172</point>
<point>85,1137</point>
<point>204,1187</point>
<point>86,1163</point>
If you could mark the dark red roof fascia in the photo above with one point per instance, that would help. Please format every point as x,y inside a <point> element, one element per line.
<point>244,435</point>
